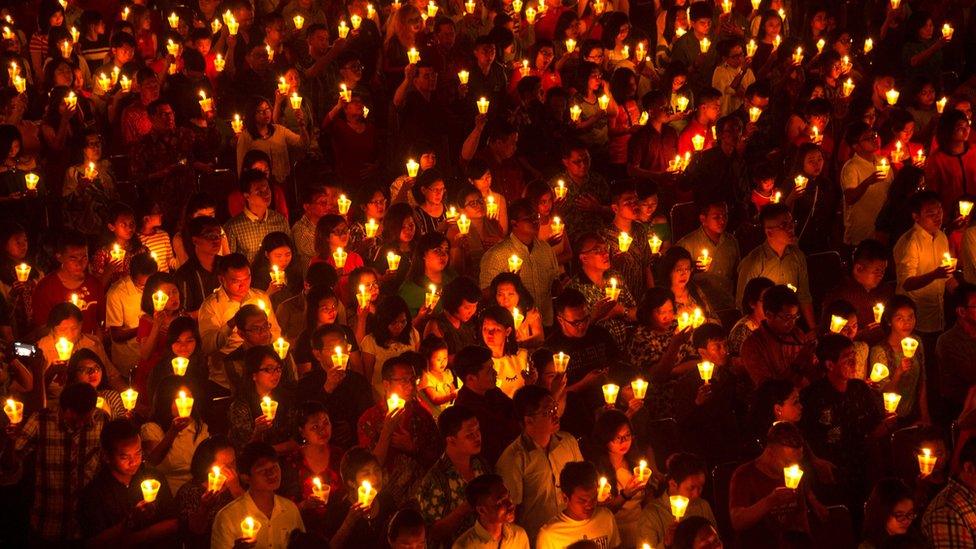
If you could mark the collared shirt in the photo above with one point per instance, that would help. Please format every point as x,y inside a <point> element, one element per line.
<point>303,235</point>
<point>65,461</point>
<point>122,310</point>
<point>540,268</point>
<point>633,265</point>
<point>860,216</point>
<point>441,491</point>
<point>950,520</point>
<point>496,416</point>
<point>245,231</point>
<point>531,475</point>
<point>195,283</point>
<point>577,220</point>
<point>722,80</point>
<point>476,537</point>
<point>789,269</point>
<point>916,253</point>
<point>217,309</point>
<point>275,530</point>
<point>618,327</point>
<point>563,531</point>
<point>717,282</point>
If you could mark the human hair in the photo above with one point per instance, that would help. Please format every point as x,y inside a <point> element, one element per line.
<point>870,250</point>
<point>476,169</point>
<point>355,460</point>
<point>771,212</point>
<point>80,398</point>
<point>166,392</point>
<point>528,400</point>
<point>770,393</point>
<point>778,298</point>
<point>153,283</point>
<point>393,221</point>
<point>922,198</point>
<point>63,311</point>
<point>854,132</point>
<point>205,455</point>
<point>619,81</point>
<point>608,423</point>
<point>250,113</point>
<point>504,318</point>
<point>390,364</point>
<point>116,432</point>
<point>425,180</point>
<point>405,520</point>
<point>962,293</point>
<point>430,345</point>
<point>323,230</point>
<point>708,331</point>
<point>577,474</point>
<point>74,366</point>
<point>753,293</point>
<point>894,304</point>
<point>249,177</point>
<point>687,530</point>
<point>520,208</point>
<point>470,360</point>
<point>457,291</point>
<point>830,347</point>
<point>669,262</point>
<point>387,310</point>
<point>253,358</point>
<point>320,333</point>
<point>313,300</point>
<point>653,299</point>
<point>968,453</point>
<point>449,422</point>
<point>321,274</point>
<point>424,244</point>
<point>839,307</point>
<point>481,487</point>
<point>235,261</point>
<point>526,301</point>
<point>253,453</point>
<point>946,126</point>
<point>304,412</point>
<point>682,465</point>
<point>261,265</point>
<point>143,264</point>
<point>886,494</point>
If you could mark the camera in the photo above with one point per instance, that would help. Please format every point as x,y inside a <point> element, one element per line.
<point>25,350</point>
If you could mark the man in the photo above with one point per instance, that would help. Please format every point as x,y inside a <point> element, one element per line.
<point>763,510</point>
<point>291,312</point>
<point>253,76</point>
<point>918,265</point>
<point>74,423</point>
<point>586,206</point>
<point>258,466</point>
<point>508,176</point>
<point>956,350</point>
<point>123,309</point>
<point>582,518</point>
<point>531,464</point>
<point>71,278</point>
<point>317,202</point>
<point>617,315</point>
<point>950,520</point>
<point>778,259</point>
<point>480,394</point>
<point>779,349</point>
<point>217,331</point>
<point>733,76</point>
<point>197,278</point>
<point>717,278</point>
<point>112,508</point>
<point>633,266</point>
<point>687,50</point>
<point>495,527</point>
<point>136,120</point>
<point>165,158</point>
<point>654,145</point>
<point>246,230</point>
<point>706,114</point>
<point>865,188</point>
<point>441,492</point>
<point>488,79</point>
<point>539,265</point>
<point>316,63</point>
<point>719,173</point>
<point>251,323</point>
<point>863,287</point>
<point>423,117</point>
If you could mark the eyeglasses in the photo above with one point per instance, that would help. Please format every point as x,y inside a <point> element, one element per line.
<point>473,203</point>
<point>355,67</point>
<point>623,438</point>
<point>601,250</point>
<point>259,329</point>
<point>904,517</point>
<point>369,286</point>
<point>551,412</point>
<point>787,317</point>
<point>340,231</point>
<point>213,235</point>
<point>272,371</point>
<point>575,323</point>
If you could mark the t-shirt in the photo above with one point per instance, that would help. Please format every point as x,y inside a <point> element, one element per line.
<point>176,463</point>
<point>748,486</point>
<point>563,531</point>
<point>159,245</point>
<point>392,349</point>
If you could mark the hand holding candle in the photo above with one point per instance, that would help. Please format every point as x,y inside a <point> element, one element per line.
<point>560,361</point>
<point>891,401</point>
<point>926,462</point>
<point>320,491</point>
<point>150,488</point>
<point>215,480</point>
<point>792,476</point>
<point>184,404</point>
<point>639,386</point>
<point>249,529</point>
<point>340,359</point>
<point>603,491</point>
<point>642,472</point>
<point>129,398</point>
<point>180,365</point>
<point>879,372</point>
<point>366,494</point>
<point>14,411</point>
<point>269,408</point>
<point>908,347</point>
<point>679,504</point>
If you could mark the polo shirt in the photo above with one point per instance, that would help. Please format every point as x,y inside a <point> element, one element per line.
<point>245,231</point>
<point>275,530</point>
<point>859,217</point>
<point>564,531</point>
<point>476,537</point>
<point>540,268</point>
<point>218,308</point>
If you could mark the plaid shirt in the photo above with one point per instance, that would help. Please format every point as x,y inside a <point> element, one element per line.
<point>539,270</point>
<point>950,521</point>
<point>245,231</point>
<point>65,461</point>
<point>442,491</point>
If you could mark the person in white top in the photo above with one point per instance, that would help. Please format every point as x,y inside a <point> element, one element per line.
<point>865,185</point>
<point>583,518</point>
<point>275,518</point>
<point>217,312</point>
<point>495,527</point>
<point>122,311</point>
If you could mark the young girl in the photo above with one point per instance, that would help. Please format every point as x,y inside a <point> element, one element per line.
<point>685,477</point>
<point>843,309</point>
<point>111,261</point>
<point>436,383</point>
<point>509,292</point>
<point>277,252</point>
<point>87,194</point>
<point>85,366</point>
<point>152,235</point>
<point>373,206</point>
<point>183,341</point>
<point>314,458</point>
<point>399,229</point>
<point>332,233</point>
<point>511,363</point>
<point>763,190</point>
<point>906,375</point>
<point>154,326</point>
<point>362,317</point>
<point>479,176</point>
<point>322,308</point>
<point>248,423</point>
<point>393,335</point>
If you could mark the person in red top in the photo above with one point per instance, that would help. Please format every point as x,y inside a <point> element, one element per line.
<point>507,175</point>
<point>71,278</point>
<point>655,144</point>
<point>951,170</point>
<point>545,26</point>
<point>354,141</point>
<point>541,64</point>
<point>709,106</point>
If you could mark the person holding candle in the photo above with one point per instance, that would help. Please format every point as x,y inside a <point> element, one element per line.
<point>430,266</point>
<point>351,522</point>
<point>455,322</point>
<point>889,512</point>
<point>586,203</point>
<point>246,230</point>
<point>689,51</point>
<point>842,312</point>
<point>631,261</point>
<point>196,503</point>
<point>955,351</point>
<point>430,213</point>
<point>595,280</point>
<point>864,287</point>
<point>675,269</point>
<point>404,439</point>
<point>322,309</point>
<point>397,240</point>
<point>248,422</point>
<point>14,255</point>
<point>169,440</point>
<point>865,186</point>
<point>655,143</point>
<point>922,54</point>
<point>315,458</point>
<point>372,205</point>
<point>656,346</point>
<point>152,235</point>
<point>592,128</point>
<point>111,262</point>
<point>582,518</point>
<point>317,201</point>
<point>273,268</point>
<point>954,161</point>
<point>715,278</point>
<point>511,363</point>
<point>183,342</point>
<point>123,311</point>
<point>87,198</point>
<point>705,116</point>
<point>509,292</point>
<point>260,468</point>
<point>331,235</point>
<point>298,121</point>
<point>436,384</point>
<point>274,139</point>
<point>154,324</point>
<point>488,497</point>
<point>752,317</point>
<point>686,478</point>
<point>113,508</point>
<point>364,284</point>
<point>733,75</point>
<point>779,349</point>
<point>85,366</point>
<point>355,140</point>
<point>65,322</point>
<point>393,334</point>
<point>479,392</point>
<point>908,373</point>
<point>218,309</point>
<point>203,239</point>
<point>946,520</point>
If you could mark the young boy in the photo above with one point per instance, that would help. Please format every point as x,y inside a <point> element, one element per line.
<point>582,518</point>
<point>71,278</point>
<point>153,236</point>
<point>123,308</point>
<point>495,526</point>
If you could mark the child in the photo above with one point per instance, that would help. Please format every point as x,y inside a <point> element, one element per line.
<point>332,233</point>
<point>350,524</point>
<point>436,383</point>
<point>906,375</point>
<point>123,310</point>
<point>111,261</point>
<point>153,236</point>
<point>850,329</point>
<point>763,190</point>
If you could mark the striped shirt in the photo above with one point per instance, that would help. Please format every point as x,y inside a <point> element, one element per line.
<point>159,246</point>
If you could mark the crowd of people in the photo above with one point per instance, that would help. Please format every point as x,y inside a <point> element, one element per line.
<point>488,273</point>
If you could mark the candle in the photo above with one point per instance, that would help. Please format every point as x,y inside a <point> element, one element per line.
<point>777,40</point>
<point>20,83</point>
<point>76,301</point>
<point>281,347</point>
<point>776,197</point>
<point>344,92</point>
<point>100,404</point>
<point>561,361</point>
<point>14,411</point>
<point>125,83</point>
<point>640,51</point>
<point>463,224</point>
<point>172,48</point>
<point>13,70</point>
<point>926,462</point>
<point>639,386</point>
<point>800,183</point>
<point>66,47</point>
<point>295,101</point>
<point>150,487</point>
<point>174,20</point>
<point>517,317</point>
<point>792,287</point>
<point>815,136</point>
<point>431,297</point>
<point>655,243</point>
<point>704,44</point>
<point>947,31</point>
<point>249,528</point>
<point>820,45</point>
<point>413,56</point>
<point>751,48</point>
<point>215,26</point>
<point>684,321</point>
<point>71,99</point>
<point>603,492</point>
<point>642,471</point>
<point>340,359</point>
<point>561,189</point>
<point>339,257</point>
<point>892,96</point>
<point>798,55</point>
<point>610,392</point>
<point>432,8</point>
<point>570,45</point>
<point>125,13</point>
<point>879,372</point>
<point>524,70</point>
<point>883,168</point>
<point>754,113</point>
<point>412,168</point>
<point>837,323</point>
<point>392,260</point>
<point>726,6</point>
<point>470,5</point>
<point>965,208</point>
<point>269,408</point>
<point>895,4</point>
<point>320,491</point>
<point>792,476</point>
<point>556,227</point>
<point>463,77</point>
<point>919,160</point>
<point>611,290</point>
<point>64,348</point>
<point>23,272</point>
<point>623,241</point>
<point>370,11</point>
<point>344,204</point>
<point>366,494</point>
<point>394,402</point>
<point>215,480</point>
<point>848,87</point>
<point>277,275</point>
<point>356,21</point>
<point>949,261</point>
<point>941,104</point>
<point>117,253</point>
<point>598,7</point>
<point>705,370</point>
<point>159,299</point>
<point>362,297</point>
<point>514,263</point>
<point>232,26</point>
<point>604,101</point>
<point>891,401</point>
<point>237,124</point>
<point>129,398</point>
<point>681,103</point>
<point>483,105</point>
<point>868,45</point>
<point>344,31</point>
<point>104,82</point>
<point>184,404</point>
<point>529,15</point>
<point>698,142</point>
<point>283,86</point>
<point>679,504</point>
<point>878,310</point>
<point>371,227</point>
<point>704,260</point>
<point>909,346</point>
<point>91,173</point>
<point>542,6</point>
<point>645,117</point>
<point>491,207</point>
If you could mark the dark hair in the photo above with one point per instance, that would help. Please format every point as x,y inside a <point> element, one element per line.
<point>778,298</point>
<point>80,398</point>
<point>708,331</point>
<point>431,344</point>
<point>423,245</point>
<point>870,250</point>
<point>424,180</point>
<point>504,317</point>
<point>653,299</point>
<point>393,222</point>
<point>605,429</point>
<point>769,393</point>
<point>321,274</point>
<point>960,296</point>
<point>577,474</point>
<point>167,391</point>
<point>772,211</point>
<point>261,265</point>
<point>403,359</point>
<point>152,286</point>
<point>569,298</point>
<point>250,112</point>
<point>528,400</point>
<point>682,465</point>
<point>457,291</point>
<point>887,493</point>
<point>63,311</point>
<point>234,261</point>
<point>74,366</point>
<point>116,432</point>
<point>313,298</point>
<point>470,360</point>
<point>205,454</point>
<point>304,412</point>
<point>946,127</point>
<point>405,520</point>
<point>451,420</point>
<point>247,311</point>
<point>753,293</point>
<point>481,487</point>
<point>249,177</point>
<point>248,393</point>
<point>320,333</point>
<point>896,302</point>
<point>387,310</point>
<point>252,453</point>
<point>526,302</point>
<point>142,264</point>
<point>669,262</point>
<point>687,530</point>
<point>355,459</point>
<point>918,200</point>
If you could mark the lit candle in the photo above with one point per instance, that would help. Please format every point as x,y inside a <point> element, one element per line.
<point>868,45</point>
<point>14,411</point>
<point>792,476</point>
<point>704,260</point>
<point>655,243</point>
<point>895,4</point>
<point>463,224</point>
<point>172,48</point>
<point>184,404</point>
<point>684,321</point>
<point>848,87</point>
<point>71,99</point>
<point>362,297</point>
<point>125,13</point>
<point>777,40</point>
<point>174,20</point>
<point>159,299</point>
<point>926,462</point>
<point>698,142</point>
<point>878,311</point>
<point>432,8</point>
<point>610,392</point>
<point>100,404</point>
<point>645,117</point>
<point>751,48</point>
<point>339,257</point>
<point>640,51</point>
<point>215,26</point>
<point>517,317</point>
<point>483,105</point>
<point>340,359</point>
<point>277,275</point>
<point>370,11</point>
<point>129,398</point>
<point>117,253</point>
<point>529,15</point>
<point>882,167</point>
<point>820,45</point>
<point>66,47</point>
<point>603,492</point>
<point>897,154</point>
<point>412,168</point>
<point>704,44</point>
<point>947,31</point>
<point>125,83</point>
<point>104,82</point>
<point>604,101</point>
<point>356,21</point>
<point>366,494</point>
<point>639,386</point>
<point>837,323</point>
<point>611,290</point>
<point>150,487</point>
<point>879,372</point>
<point>64,348</point>
<point>800,183</point>
<point>232,26</point>
<point>281,347</point>
<point>561,189</point>
<point>431,297</point>
<point>792,287</point>
<point>919,159</point>
<point>76,300</point>
<point>470,5</point>
<point>776,197</point>
<point>371,227</point>
<point>892,96</point>
<point>23,272</point>
<point>560,361</point>
<point>949,261</point>
<point>91,173</point>
<point>697,317</point>
<point>13,70</point>
<point>20,83</point>
<point>514,263</point>
<point>681,103</point>
<point>556,227</point>
<point>394,402</point>
<point>798,55</point>
<point>891,401</point>
<point>705,370</point>
<point>269,408</point>
<point>965,207</point>
<point>491,207</point>
<point>642,471</point>
<point>215,480</point>
<point>754,113</point>
<point>941,104</point>
<point>679,504</point>
<point>320,491</point>
<point>524,70</point>
<point>726,6</point>
<point>815,136</point>
<point>344,29</point>
<point>623,241</point>
<point>392,260</point>
<point>249,528</point>
<point>463,77</point>
<point>413,56</point>
<point>295,100</point>
<point>570,44</point>
<point>909,346</point>
<point>237,124</point>
<point>598,7</point>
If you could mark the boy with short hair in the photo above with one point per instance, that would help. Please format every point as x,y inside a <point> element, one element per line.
<point>863,287</point>
<point>71,277</point>
<point>582,519</point>
<point>495,527</point>
<point>123,309</point>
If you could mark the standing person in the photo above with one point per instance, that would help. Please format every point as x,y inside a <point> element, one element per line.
<point>274,139</point>
<point>317,202</point>
<point>70,278</point>
<point>956,351</point>
<point>716,278</point>
<point>197,277</point>
<point>951,170</point>
<point>246,230</point>
<point>865,187</point>
<point>495,525</point>
<point>123,311</point>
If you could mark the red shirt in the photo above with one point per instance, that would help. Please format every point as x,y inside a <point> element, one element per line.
<point>545,26</point>
<point>50,291</point>
<point>353,262</point>
<point>694,127</point>
<point>748,486</point>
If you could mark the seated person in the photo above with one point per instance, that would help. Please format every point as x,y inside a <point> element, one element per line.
<point>581,519</point>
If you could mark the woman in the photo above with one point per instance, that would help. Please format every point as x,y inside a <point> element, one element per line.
<point>685,477</point>
<point>844,309</point>
<point>355,141</point>
<point>331,234</point>
<point>540,58</point>
<point>88,194</point>
<point>921,54</point>
<point>393,335</point>
<point>399,229</point>
<point>372,205</point>
<point>479,176</point>
<point>951,170</point>
<point>248,422</point>
<point>274,259</point>
<point>889,511</point>
<point>273,139</point>
<point>543,199</point>
<point>907,374</point>
<point>86,367</point>
<point>699,533</point>
<point>508,291</point>
<point>315,458</point>
<point>459,304</point>
<point>511,363</point>
<point>402,34</point>
<point>360,315</point>
<point>482,233</point>
<point>322,309</point>
<point>430,213</point>
<point>592,128</point>
<point>594,279</point>
<point>401,189</point>
<point>613,450</point>
<point>753,314</point>
<point>154,325</point>
<point>287,116</point>
<point>675,270</point>
<point>196,505</point>
<point>65,322</point>
<point>626,122</point>
<point>18,295</point>
<point>168,440</point>
<point>898,134</point>
<point>813,204</point>
<point>182,341</point>
<point>430,266</point>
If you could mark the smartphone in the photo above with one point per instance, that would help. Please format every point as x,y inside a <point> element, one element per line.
<point>26,350</point>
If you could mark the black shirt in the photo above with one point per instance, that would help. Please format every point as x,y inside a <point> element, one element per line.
<point>596,350</point>
<point>195,283</point>
<point>106,502</point>
<point>496,417</point>
<point>352,397</point>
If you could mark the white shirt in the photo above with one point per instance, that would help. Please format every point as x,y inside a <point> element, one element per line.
<point>563,531</point>
<point>722,81</point>
<point>917,252</point>
<point>274,531</point>
<point>122,310</point>
<point>476,537</point>
<point>218,308</point>
<point>859,217</point>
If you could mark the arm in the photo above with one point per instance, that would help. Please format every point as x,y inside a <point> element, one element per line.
<point>852,194</point>
<point>470,145</point>
<point>400,95</point>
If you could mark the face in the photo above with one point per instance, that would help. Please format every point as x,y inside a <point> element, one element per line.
<point>16,247</point>
<point>647,208</point>
<point>901,517</point>
<point>401,382</point>
<point>317,429</point>
<point>426,79</point>
<point>484,54</point>
<point>505,147</point>
<point>73,260</point>
<point>846,365</point>
<point>526,227</point>
<point>663,316</point>
<point>415,538</point>
<point>780,231</point>
<point>736,57</point>
<point>372,473</point>
<point>339,236</point>
<point>165,118</point>
<point>595,254</point>
<point>434,194</point>
<point>474,206</point>
<point>497,508</point>
<point>493,333</point>
<point>483,183</point>
<point>546,420</point>
<point>466,311</point>
<point>436,259</point>
<point>468,439</point>
<point>925,33</point>
<point>715,219</point>
<point>930,216</point>
<point>126,457</point>
<point>173,303</point>
<point>691,487</point>
<point>68,328</point>
<point>582,502</point>
<point>185,345</point>
<point>620,444</point>
<point>960,132</point>
<point>626,206</point>
<point>773,27</point>
<point>903,321</point>
<point>438,361</point>
<point>574,321</point>
<point>262,115</point>
<point>577,164</point>
<point>681,273</point>
<point>280,256</point>
<point>707,538</point>
<point>507,296</point>
<point>265,476</point>
<point>259,197</point>
<point>90,372</point>
<point>407,230</point>
<point>595,81</point>
<point>372,285</point>
<point>428,160</point>
<point>209,242</point>
<point>328,311</point>
<point>790,410</point>
<point>784,321</point>
<point>123,228</point>
<point>257,330</point>
<point>268,375</point>
<point>236,282</point>
<point>813,164</point>
<point>716,351</point>
<point>376,207</point>
<point>544,57</point>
